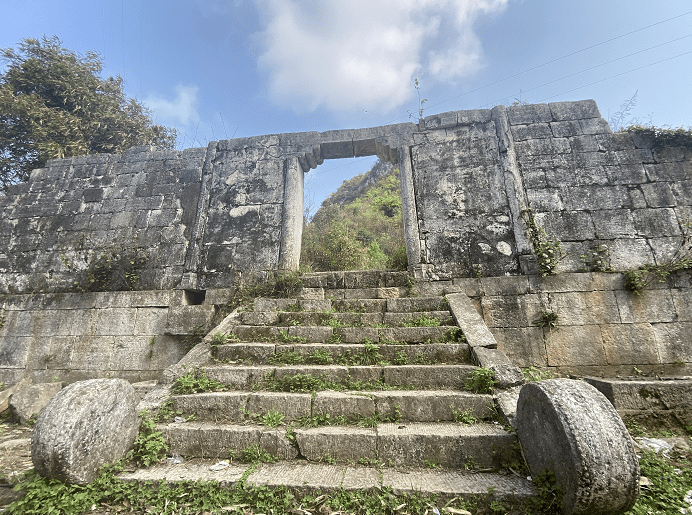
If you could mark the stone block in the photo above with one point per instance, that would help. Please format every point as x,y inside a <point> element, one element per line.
<point>578,110</point>
<point>473,116</point>
<point>431,405</point>
<point>545,199</point>
<point>532,131</point>
<point>630,253</point>
<point>506,373</point>
<point>259,318</point>
<point>274,442</point>
<point>357,334</point>
<point>613,223</point>
<point>343,444</point>
<point>563,283</point>
<point>511,310</point>
<point>682,300</point>
<point>566,225</point>
<point>575,346</point>
<point>253,352</point>
<point>311,334</point>
<point>527,114</point>
<point>593,457</point>
<point>428,376</point>
<point>291,405</point>
<point>523,345</point>
<point>186,319</point>
<point>595,126</point>
<point>150,321</point>
<point>673,341</point>
<point>627,344</point>
<point>86,425</point>
<point>447,445</point>
<point>653,223</point>
<point>343,404</point>
<point>218,407</point>
<point>626,174</point>
<point>658,194</point>
<point>585,308</point>
<point>596,197</point>
<point>239,378</point>
<point>650,306</point>
<point>414,334</point>
<point>508,285</point>
<point>28,401</point>
<point>566,129</point>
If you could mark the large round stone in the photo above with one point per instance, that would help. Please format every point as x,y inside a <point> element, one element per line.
<point>571,429</point>
<point>87,424</point>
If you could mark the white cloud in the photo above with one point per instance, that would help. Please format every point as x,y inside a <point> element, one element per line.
<point>365,54</point>
<point>182,109</point>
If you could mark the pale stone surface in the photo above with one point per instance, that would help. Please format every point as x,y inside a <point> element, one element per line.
<point>592,456</point>
<point>86,425</point>
<point>470,322</point>
<point>30,400</point>
<point>506,373</point>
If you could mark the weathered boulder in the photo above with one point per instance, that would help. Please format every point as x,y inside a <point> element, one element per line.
<point>6,394</point>
<point>31,399</point>
<point>87,424</point>
<point>568,427</point>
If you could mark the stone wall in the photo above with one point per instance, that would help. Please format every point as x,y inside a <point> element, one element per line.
<point>74,336</point>
<point>469,179</point>
<point>602,328</point>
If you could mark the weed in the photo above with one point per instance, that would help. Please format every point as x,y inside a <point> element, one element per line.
<point>549,498</point>
<point>597,259</point>
<point>638,279</point>
<point>284,337</point>
<point>196,381</point>
<point>465,417</point>
<point>548,252</point>
<point>481,380</point>
<point>536,374</point>
<point>272,418</point>
<point>281,285</point>
<point>255,454</point>
<point>294,308</point>
<point>547,320</point>
<point>150,446</point>
<point>308,383</point>
<point>431,464</point>
<point>423,321</point>
<point>327,458</point>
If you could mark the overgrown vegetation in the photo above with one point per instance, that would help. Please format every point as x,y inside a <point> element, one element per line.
<point>548,252</point>
<point>281,285</point>
<point>196,381</point>
<point>307,383</point>
<point>481,380</point>
<point>116,267</point>
<point>150,446</point>
<point>639,279</point>
<point>358,234</point>
<point>547,320</point>
<point>597,259</point>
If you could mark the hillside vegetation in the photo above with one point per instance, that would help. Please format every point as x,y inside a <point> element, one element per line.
<point>359,227</point>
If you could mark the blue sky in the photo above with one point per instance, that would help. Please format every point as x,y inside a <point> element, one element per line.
<point>233,68</point>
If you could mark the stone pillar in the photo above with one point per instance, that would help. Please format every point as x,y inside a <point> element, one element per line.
<point>292,224</point>
<point>408,207</point>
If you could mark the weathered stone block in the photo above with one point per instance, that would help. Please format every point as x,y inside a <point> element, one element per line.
<point>523,345</point>
<point>342,444</point>
<point>526,114</point>
<point>28,401</point>
<point>567,346</point>
<point>585,308</point>
<point>291,405</point>
<point>593,458</point>
<point>574,110</point>
<point>84,426</point>
<point>218,407</point>
<point>673,341</point>
<point>343,404</point>
<point>650,306</point>
<point>185,319</point>
<point>626,344</point>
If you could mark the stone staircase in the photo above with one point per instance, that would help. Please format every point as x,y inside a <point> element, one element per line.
<point>353,384</point>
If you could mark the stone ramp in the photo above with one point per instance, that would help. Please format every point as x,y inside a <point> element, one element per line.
<point>325,477</point>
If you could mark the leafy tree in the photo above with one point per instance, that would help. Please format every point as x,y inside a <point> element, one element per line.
<point>54,104</point>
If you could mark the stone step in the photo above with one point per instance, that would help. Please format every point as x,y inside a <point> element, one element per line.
<point>405,376</point>
<point>306,318</point>
<point>261,353</point>
<point>446,445</point>
<point>406,406</point>
<point>353,279</point>
<point>302,475</point>
<point>326,334</point>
